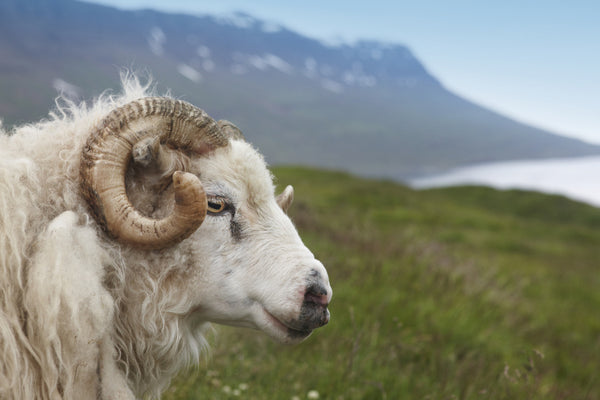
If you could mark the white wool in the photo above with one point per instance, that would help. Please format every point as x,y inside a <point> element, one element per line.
<point>83,316</point>
<point>55,313</point>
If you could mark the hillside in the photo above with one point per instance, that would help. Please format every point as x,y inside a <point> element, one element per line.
<point>466,293</point>
<point>370,108</point>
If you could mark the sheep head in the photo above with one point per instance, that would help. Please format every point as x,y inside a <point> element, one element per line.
<point>249,265</point>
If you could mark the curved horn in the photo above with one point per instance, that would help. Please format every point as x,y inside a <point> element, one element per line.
<point>107,154</point>
<point>229,129</point>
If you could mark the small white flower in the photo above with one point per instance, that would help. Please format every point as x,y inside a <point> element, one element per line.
<point>227,389</point>
<point>295,398</point>
<point>236,392</point>
<point>313,394</point>
<point>243,386</point>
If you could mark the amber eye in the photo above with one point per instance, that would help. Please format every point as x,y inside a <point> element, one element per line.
<point>217,205</point>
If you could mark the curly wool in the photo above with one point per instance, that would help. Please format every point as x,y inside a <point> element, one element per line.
<point>57,312</point>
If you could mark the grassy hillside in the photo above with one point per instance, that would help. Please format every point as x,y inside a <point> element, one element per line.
<point>464,293</point>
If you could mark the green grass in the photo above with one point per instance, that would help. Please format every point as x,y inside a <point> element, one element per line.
<point>463,293</point>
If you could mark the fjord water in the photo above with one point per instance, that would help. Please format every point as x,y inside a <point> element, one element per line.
<point>577,178</point>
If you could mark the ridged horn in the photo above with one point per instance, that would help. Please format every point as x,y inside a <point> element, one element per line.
<point>230,130</point>
<point>106,156</point>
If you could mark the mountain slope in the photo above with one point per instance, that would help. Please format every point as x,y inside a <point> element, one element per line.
<point>370,108</point>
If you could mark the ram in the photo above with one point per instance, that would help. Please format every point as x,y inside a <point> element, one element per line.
<point>126,228</point>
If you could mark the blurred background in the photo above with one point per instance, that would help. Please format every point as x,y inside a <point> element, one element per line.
<point>454,275</point>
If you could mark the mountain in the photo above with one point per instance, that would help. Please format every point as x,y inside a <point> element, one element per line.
<point>369,108</point>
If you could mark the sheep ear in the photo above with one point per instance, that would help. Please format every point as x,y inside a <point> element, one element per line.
<point>285,198</point>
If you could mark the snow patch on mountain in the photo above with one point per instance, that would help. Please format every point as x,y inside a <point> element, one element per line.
<point>156,40</point>
<point>310,68</point>
<point>189,72</point>
<point>270,27</point>
<point>66,89</point>
<point>238,19</point>
<point>203,51</point>
<point>263,62</point>
<point>332,86</point>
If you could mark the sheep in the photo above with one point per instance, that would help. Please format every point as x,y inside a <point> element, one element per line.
<point>127,227</point>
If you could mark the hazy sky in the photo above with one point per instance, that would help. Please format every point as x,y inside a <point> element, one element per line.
<point>535,60</point>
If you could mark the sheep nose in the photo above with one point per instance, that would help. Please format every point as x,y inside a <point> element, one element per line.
<point>316,294</point>
<point>314,312</point>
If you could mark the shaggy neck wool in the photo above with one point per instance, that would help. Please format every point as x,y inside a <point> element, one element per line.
<point>40,305</point>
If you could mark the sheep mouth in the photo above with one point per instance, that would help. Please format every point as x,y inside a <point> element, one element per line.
<point>290,332</point>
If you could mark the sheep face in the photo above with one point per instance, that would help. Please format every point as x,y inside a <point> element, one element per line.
<point>252,268</point>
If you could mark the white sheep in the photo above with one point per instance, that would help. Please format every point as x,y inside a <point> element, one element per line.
<point>126,227</point>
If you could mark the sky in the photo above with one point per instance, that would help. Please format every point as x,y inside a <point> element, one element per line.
<point>537,61</point>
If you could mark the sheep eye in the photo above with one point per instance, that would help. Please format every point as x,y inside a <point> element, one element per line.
<point>217,205</point>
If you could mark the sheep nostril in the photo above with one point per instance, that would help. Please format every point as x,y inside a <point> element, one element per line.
<point>317,295</point>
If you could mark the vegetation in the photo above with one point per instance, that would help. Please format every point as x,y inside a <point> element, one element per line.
<point>463,293</point>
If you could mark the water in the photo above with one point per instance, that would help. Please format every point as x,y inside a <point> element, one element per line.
<point>576,178</point>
